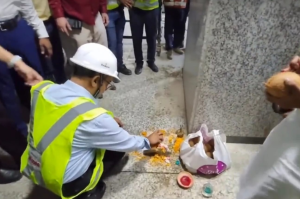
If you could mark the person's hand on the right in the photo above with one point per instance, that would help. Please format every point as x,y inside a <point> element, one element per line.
<point>155,138</point>
<point>127,3</point>
<point>63,25</point>
<point>294,65</point>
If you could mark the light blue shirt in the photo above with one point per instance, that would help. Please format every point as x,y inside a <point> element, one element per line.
<point>101,133</point>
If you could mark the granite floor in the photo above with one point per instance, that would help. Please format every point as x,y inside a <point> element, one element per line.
<point>136,183</point>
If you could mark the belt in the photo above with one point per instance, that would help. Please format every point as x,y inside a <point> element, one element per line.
<point>9,24</point>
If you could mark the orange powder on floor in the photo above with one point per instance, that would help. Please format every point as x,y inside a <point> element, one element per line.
<point>177,144</point>
<point>158,160</point>
<point>144,133</point>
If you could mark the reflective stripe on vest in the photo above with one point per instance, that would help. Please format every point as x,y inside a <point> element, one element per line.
<point>175,4</point>
<point>146,4</point>
<point>35,153</point>
<point>112,4</point>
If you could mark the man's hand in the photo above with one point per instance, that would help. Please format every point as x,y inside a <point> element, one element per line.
<point>291,101</point>
<point>118,121</point>
<point>63,25</point>
<point>155,138</point>
<point>30,76</point>
<point>294,65</point>
<point>127,3</point>
<point>105,19</point>
<point>46,47</point>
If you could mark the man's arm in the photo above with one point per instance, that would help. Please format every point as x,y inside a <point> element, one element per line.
<point>103,6</point>
<point>30,15</point>
<point>105,133</point>
<point>56,8</point>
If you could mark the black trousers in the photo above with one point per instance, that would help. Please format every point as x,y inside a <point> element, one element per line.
<point>174,20</point>
<point>186,13</point>
<point>11,140</point>
<point>111,158</point>
<point>138,19</point>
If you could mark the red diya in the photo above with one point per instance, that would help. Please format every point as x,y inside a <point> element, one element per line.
<point>185,180</point>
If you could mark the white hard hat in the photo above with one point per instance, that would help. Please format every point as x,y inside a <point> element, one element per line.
<point>96,57</point>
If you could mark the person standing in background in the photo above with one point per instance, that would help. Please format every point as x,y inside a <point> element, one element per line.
<point>79,22</point>
<point>53,66</point>
<point>183,25</point>
<point>174,20</point>
<point>115,31</point>
<point>144,13</point>
<point>18,37</point>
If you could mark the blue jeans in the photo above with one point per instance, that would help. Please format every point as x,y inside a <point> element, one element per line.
<point>54,67</point>
<point>115,30</point>
<point>19,41</point>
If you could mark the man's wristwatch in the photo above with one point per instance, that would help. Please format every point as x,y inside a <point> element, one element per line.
<point>13,61</point>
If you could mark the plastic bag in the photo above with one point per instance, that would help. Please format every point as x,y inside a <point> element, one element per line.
<point>195,158</point>
<point>274,173</point>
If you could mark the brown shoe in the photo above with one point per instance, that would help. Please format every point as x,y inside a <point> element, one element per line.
<point>169,54</point>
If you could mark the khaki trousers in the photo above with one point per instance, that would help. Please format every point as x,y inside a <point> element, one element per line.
<point>88,34</point>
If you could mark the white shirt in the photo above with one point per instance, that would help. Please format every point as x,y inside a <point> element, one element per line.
<point>274,173</point>
<point>10,8</point>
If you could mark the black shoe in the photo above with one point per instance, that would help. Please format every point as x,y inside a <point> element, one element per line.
<point>115,80</point>
<point>138,69</point>
<point>9,176</point>
<point>96,193</point>
<point>124,70</point>
<point>153,67</point>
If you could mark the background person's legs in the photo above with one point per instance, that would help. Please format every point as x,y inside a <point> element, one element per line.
<point>100,36</point>
<point>137,28</point>
<point>25,46</point>
<point>169,27</point>
<point>75,39</point>
<point>179,22</point>
<point>55,65</point>
<point>151,25</point>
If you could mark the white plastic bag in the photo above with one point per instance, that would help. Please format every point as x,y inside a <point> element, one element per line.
<point>274,173</point>
<point>195,158</point>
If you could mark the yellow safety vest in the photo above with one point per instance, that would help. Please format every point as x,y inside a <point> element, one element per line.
<point>112,4</point>
<point>146,4</point>
<point>51,132</point>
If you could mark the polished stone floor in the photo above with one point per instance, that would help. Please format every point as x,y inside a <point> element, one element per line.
<point>136,182</point>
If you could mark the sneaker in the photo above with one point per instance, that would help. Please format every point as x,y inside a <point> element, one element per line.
<point>169,54</point>
<point>124,70</point>
<point>178,51</point>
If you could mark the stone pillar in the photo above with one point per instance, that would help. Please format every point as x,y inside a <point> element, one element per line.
<point>233,46</point>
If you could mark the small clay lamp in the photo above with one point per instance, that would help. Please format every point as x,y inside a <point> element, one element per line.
<point>185,180</point>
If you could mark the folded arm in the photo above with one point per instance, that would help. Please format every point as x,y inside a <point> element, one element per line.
<point>104,133</point>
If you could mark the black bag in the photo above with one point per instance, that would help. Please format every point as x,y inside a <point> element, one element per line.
<point>74,23</point>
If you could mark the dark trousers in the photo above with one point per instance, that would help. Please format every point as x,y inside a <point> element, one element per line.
<point>174,18</point>
<point>138,19</point>
<point>12,141</point>
<point>111,158</point>
<point>54,67</point>
<point>183,25</point>
<point>115,30</point>
<point>19,41</point>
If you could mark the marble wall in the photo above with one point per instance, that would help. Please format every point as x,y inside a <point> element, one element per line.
<point>233,46</point>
